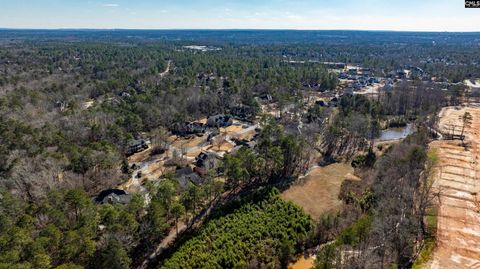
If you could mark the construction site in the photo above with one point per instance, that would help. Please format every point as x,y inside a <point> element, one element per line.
<point>456,182</point>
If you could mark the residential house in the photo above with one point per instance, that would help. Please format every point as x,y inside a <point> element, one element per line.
<point>188,128</point>
<point>321,103</point>
<point>113,196</point>
<point>219,121</point>
<point>186,175</point>
<point>137,145</point>
<point>205,162</point>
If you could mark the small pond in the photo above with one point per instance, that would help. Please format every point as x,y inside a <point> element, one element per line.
<point>396,133</point>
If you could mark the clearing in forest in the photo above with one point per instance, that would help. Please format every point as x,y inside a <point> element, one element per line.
<point>318,191</point>
<point>458,228</point>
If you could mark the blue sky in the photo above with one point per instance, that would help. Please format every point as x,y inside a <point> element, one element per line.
<point>411,15</point>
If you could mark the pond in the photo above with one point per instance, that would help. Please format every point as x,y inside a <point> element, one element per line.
<point>396,133</point>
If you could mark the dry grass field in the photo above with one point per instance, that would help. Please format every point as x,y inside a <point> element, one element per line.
<point>318,192</point>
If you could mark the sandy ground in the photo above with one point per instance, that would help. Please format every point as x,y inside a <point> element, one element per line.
<point>469,84</point>
<point>318,192</point>
<point>186,143</point>
<point>88,104</point>
<point>303,263</point>
<point>372,90</point>
<point>167,69</point>
<point>231,129</point>
<point>458,229</point>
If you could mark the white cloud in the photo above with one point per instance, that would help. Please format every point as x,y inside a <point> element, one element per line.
<point>110,5</point>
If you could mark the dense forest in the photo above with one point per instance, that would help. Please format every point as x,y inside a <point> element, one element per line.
<point>71,102</point>
<point>243,236</point>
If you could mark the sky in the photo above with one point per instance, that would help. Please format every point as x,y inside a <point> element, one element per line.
<point>397,15</point>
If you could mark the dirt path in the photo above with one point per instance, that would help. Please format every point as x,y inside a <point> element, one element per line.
<point>458,228</point>
<point>183,227</point>
<point>166,242</point>
<point>167,70</point>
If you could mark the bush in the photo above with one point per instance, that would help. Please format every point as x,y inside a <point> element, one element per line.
<point>364,160</point>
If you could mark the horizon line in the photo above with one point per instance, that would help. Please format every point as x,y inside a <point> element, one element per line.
<point>226,29</point>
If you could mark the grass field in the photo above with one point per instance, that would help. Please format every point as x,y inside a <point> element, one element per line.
<point>318,192</point>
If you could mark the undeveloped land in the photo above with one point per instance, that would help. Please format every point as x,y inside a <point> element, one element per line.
<point>458,228</point>
<point>318,192</point>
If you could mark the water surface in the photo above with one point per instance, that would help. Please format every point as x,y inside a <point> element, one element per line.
<point>396,133</point>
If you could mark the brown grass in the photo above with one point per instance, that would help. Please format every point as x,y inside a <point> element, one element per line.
<point>318,192</point>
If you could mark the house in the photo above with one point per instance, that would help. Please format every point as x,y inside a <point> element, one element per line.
<point>364,72</point>
<point>219,121</point>
<point>207,161</point>
<point>113,196</point>
<point>213,133</point>
<point>373,80</point>
<point>321,103</point>
<point>137,145</point>
<point>240,142</point>
<point>334,102</point>
<point>186,175</point>
<point>267,98</point>
<point>343,76</point>
<point>188,128</point>
<point>125,94</point>
<point>401,74</point>
<point>352,71</point>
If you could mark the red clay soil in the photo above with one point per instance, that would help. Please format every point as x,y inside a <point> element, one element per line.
<point>458,228</point>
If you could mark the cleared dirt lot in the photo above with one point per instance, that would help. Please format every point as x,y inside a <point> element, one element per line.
<point>318,192</point>
<point>458,228</point>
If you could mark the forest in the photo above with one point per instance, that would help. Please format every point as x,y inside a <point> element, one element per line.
<point>71,102</point>
<point>243,236</point>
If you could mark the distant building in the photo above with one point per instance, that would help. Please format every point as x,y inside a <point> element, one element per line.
<point>219,121</point>
<point>343,76</point>
<point>321,103</point>
<point>401,74</point>
<point>113,196</point>
<point>334,65</point>
<point>364,72</point>
<point>186,175</point>
<point>188,128</point>
<point>266,98</point>
<point>125,94</point>
<point>138,145</point>
<point>334,102</point>
<point>205,162</point>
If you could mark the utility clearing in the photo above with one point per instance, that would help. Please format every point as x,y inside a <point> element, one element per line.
<point>458,228</point>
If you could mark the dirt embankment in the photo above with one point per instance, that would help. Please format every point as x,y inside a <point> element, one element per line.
<point>458,228</point>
